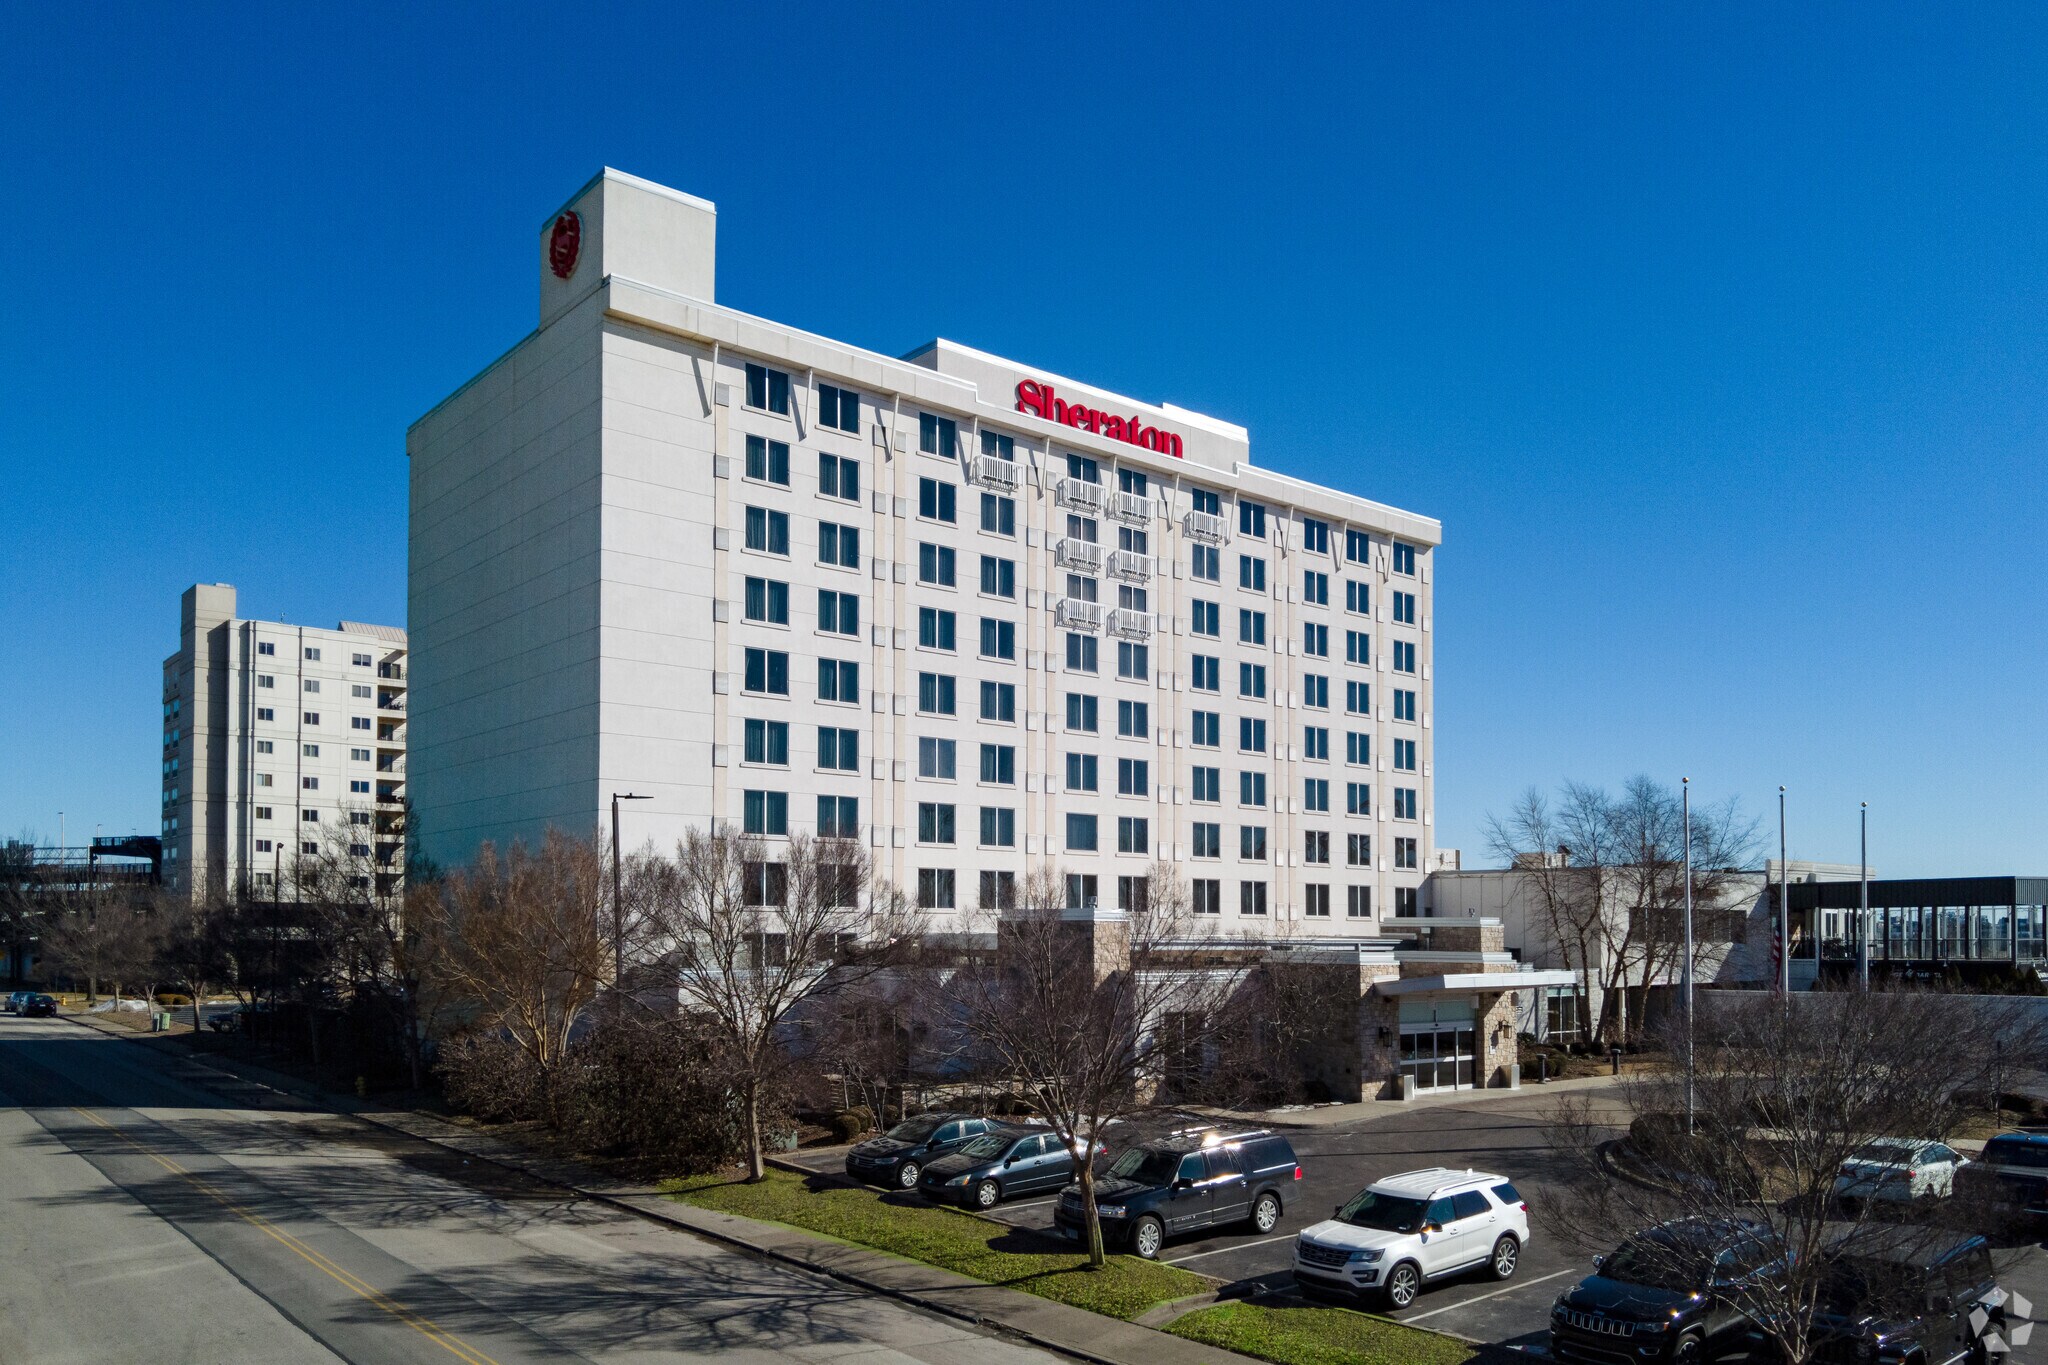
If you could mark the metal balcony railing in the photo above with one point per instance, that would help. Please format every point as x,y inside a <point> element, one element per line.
<point>1127,624</point>
<point>391,701</point>
<point>1132,507</point>
<point>1085,555</point>
<point>993,471</point>
<point>1074,614</point>
<point>1206,527</point>
<point>1129,564</point>
<point>1079,494</point>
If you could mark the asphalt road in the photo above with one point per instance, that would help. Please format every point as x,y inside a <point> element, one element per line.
<point>145,1216</point>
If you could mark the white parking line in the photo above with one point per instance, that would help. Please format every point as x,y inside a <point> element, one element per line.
<point>1482,1298</point>
<point>1031,1203</point>
<point>1283,1237</point>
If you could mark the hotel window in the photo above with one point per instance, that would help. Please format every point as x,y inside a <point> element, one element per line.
<point>266,647</point>
<point>1081,528</point>
<point>359,660</point>
<point>309,848</point>
<point>309,717</point>
<point>1080,834</point>
<point>1404,558</point>
<point>1357,547</point>
<point>1207,618</point>
<point>999,577</point>
<point>999,764</point>
<point>1404,608</point>
<point>1208,896</point>
<point>1404,854</point>
<point>1405,805</point>
<point>1251,898</point>
<point>838,612</point>
<point>1080,891</point>
<point>935,888</point>
<point>1315,691</point>
<point>309,817</point>
<point>1406,900</point>
<point>998,890</point>
<point>1207,501</point>
<point>838,680</point>
<point>1251,790</point>
<point>767,672</point>
<point>1315,640</point>
<point>359,722</point>
<point>767,532</point>
<point>312,684</point>
<point>838,409</point>
<point>264,746</point>
<point>1208,839</point>
<point>1133,661</point>
<point>1208,786</point>
<point>1082,713</point>
<point>1315,588</point>
<point>263,845</point>
<point>767,742</point>
<point>1358,902</point>
<point>1131,481</point>
<point>309,751</point>
<point>1317,904</point>
<point>998,827</point>
<point>768,461</point>
<point>768,600</point>
<point>1082,468</point>
<point>936,435</point>
<point>1133,834</point>
<point>359,787</point>
<point>935,758</point>
<point>935,564</point>
<point>935,694</point>
<point>1404,755</point>
<point>311,784</point>
<point>359,690</point>
<point>998,514</point>
<point>1358,749</point>
<point>1251,627</point>
<point>1205,673</point>
<point>767,389</point>
<point>838,477</point>
<point>1251,573</point>
<point>263,779</point>
<point>838,749</point>
<point>1315,847</point>
<point>1357,647</point>
<point>1208,730</point>
<point>1358,850</point>
<point>1358,798</point>
<point>1081,772</point>
<point>265,680</point>
<point>1251,735</point>
<point>766,812</point>
<point>999,701</point>
<point>998,639</point>
<point>359,755</point>
<point>1404,656</point>
<point>935,629</point>
<point>1404,705</point>
<point>764,883</point>
<point>1207,564</point>
<point>1001,446</point>
<point>934,822</point>
<point>313,653</point>
<point>1251,681</point>
<point>1132,893</point>
<point>1315,742</point>
<point>1315,536</point>
<point>1251,842</point>
<point>1134,720</point>
<point>1315,794</point>
<point>839,545</point>
<point>1082,654</point>
<point>1251,519</point>
<point>1132,539</point>
<point>1358,698</point>
<point>1358,598</point>
<point>937,501</point>
<point>838,817</point>
<point>1133,777</point>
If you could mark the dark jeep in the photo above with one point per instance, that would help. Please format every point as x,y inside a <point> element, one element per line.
<point>899,1156</point>
<point>1908,1303</point>
<point>1669,1293</point>
<point>1183,1183</point>
<point>2011,1176</point>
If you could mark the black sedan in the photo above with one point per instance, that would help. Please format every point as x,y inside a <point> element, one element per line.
<point>39,1006</point>
<point>999,1165</point>
<point>899,1156</point>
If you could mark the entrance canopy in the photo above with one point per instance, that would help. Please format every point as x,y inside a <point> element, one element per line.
<point>1467,982</point>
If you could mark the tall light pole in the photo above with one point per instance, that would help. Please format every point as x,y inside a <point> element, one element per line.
<point>1784,906</point>
<point>1863,899</point>
<point>618,901</point>
<point>1685,978</point>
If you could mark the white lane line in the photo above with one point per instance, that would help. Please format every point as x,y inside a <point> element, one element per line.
<point>1482,1298</point>
<point>1030,1203</point>
<point>1283,1237</point>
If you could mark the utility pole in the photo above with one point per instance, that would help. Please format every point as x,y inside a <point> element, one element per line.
<point>619,902</point>
<point>1784,906</point>
<point>1685,989</point>
<point>1863,898</point>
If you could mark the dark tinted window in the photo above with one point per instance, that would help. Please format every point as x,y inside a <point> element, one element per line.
<point>1266,1154</point>
<point>1224,1161</point>
<point>947,1133</point>
<point>2009,1151</point>
<point>1191,1166</point>
<point>1441,1211</point>
<point>1506,1193</point>
<point>1469,1204</point>
<point>1969,1272</point>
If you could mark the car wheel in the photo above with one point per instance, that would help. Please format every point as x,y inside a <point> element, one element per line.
<point>907,1174</point>
<point>1507,1255</point>
<point>1146,1238</point>
<point>1690,1350</point>
<point>1266,1213</point>
<point>987,1194</point>
<point>1404,1282</point>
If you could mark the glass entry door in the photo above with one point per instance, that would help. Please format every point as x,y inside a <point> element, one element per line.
<point>1439,1056</point>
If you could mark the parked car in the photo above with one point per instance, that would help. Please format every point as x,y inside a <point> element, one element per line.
<point>899,1156</point>
<point>17,1000</point>
<point>1185,1182</point>
<point>2011,1176</point>
<point>1000,1164</point>
<point>1669,1293</point>
<point>1908,1300</point>
<point>1899,1170</point>
<point>39,1006</point>
<point>1421,1225</point>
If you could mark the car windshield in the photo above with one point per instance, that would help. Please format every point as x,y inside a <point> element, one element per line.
<point>1147,1167</point>
<point>915,1130</point>
<point>987,1145</point>
<point>1383,1212</point>
<point>1652,1265</point>
<point>1891,1153</point>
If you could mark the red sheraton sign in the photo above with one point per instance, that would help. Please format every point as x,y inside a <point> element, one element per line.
<point>1040,401</point>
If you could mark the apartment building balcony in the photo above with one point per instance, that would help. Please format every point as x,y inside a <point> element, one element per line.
<point>395,672</point>
<point>391,763</point>
<point>390,732</point>
<point>993,471</point>
<point>1206,527</point>
<point>1074,614</point>
<point>1126,624</point>
<point>1132,507</point>
<point>388,794</point>
<point>1084,555</point>
<point>1079,494</point>
<point>390,701</point>
<point>1130,565</point>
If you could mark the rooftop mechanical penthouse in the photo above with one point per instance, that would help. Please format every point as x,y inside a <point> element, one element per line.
<point>977,615</point>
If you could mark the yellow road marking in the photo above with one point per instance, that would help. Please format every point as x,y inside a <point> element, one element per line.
<point>447,1341</point>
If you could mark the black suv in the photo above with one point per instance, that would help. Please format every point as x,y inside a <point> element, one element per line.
<point>2011,1175</point>
<point>1908,1301</point>
<point>1185,1182</point>
<point>899,1156</point>
<point>998,1165</point>
<point>1669,1293</point>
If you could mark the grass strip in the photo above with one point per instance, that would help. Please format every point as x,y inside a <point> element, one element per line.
<point>947,1239</point>
<point>1318,1336</point>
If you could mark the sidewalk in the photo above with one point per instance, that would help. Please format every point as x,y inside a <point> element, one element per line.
<point>1332,1115</point>
<point>1025,1317</point>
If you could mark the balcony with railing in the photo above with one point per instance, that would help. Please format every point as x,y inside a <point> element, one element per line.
<point>1130,565</point>
<point>1079,494</point>
<point>391,763</point>
<point>1128,624</point>
<point>394,672</point>
<point>993,471</point>
<point>1070,553</point>
<point>390,701</point>
<point>1074,614</point>
<point>1131,507</point>
<point>1206,527</point>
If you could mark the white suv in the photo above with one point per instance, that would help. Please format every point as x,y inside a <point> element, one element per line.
<point>1421,1225</point>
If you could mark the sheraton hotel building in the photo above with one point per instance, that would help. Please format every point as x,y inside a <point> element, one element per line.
<point>981,617</point>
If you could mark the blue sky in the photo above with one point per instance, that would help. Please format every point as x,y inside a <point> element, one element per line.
<point>1715,335</point>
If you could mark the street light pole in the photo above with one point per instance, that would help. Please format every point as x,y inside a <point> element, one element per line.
<point>1784,906</point>
<point>1863,899</point>
<point>618,901</point>
<point>1685,978</point>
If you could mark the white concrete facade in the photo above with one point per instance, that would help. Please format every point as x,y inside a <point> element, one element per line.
<point>279,740</point>
<point>632,559</point>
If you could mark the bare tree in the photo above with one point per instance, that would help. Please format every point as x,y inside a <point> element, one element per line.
<point>1785,1090</point>
<point>114,939</point>
<point>520,942</point>
<point>1096,1019</point>
<point>752,931</point>
<point>1561,852</point>
<point>195,948</point>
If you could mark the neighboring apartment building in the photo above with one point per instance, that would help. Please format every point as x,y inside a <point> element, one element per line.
<point>278,741</point>
<point>977,615</point>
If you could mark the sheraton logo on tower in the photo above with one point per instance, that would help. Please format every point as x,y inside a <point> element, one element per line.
<point>1040,401</point>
